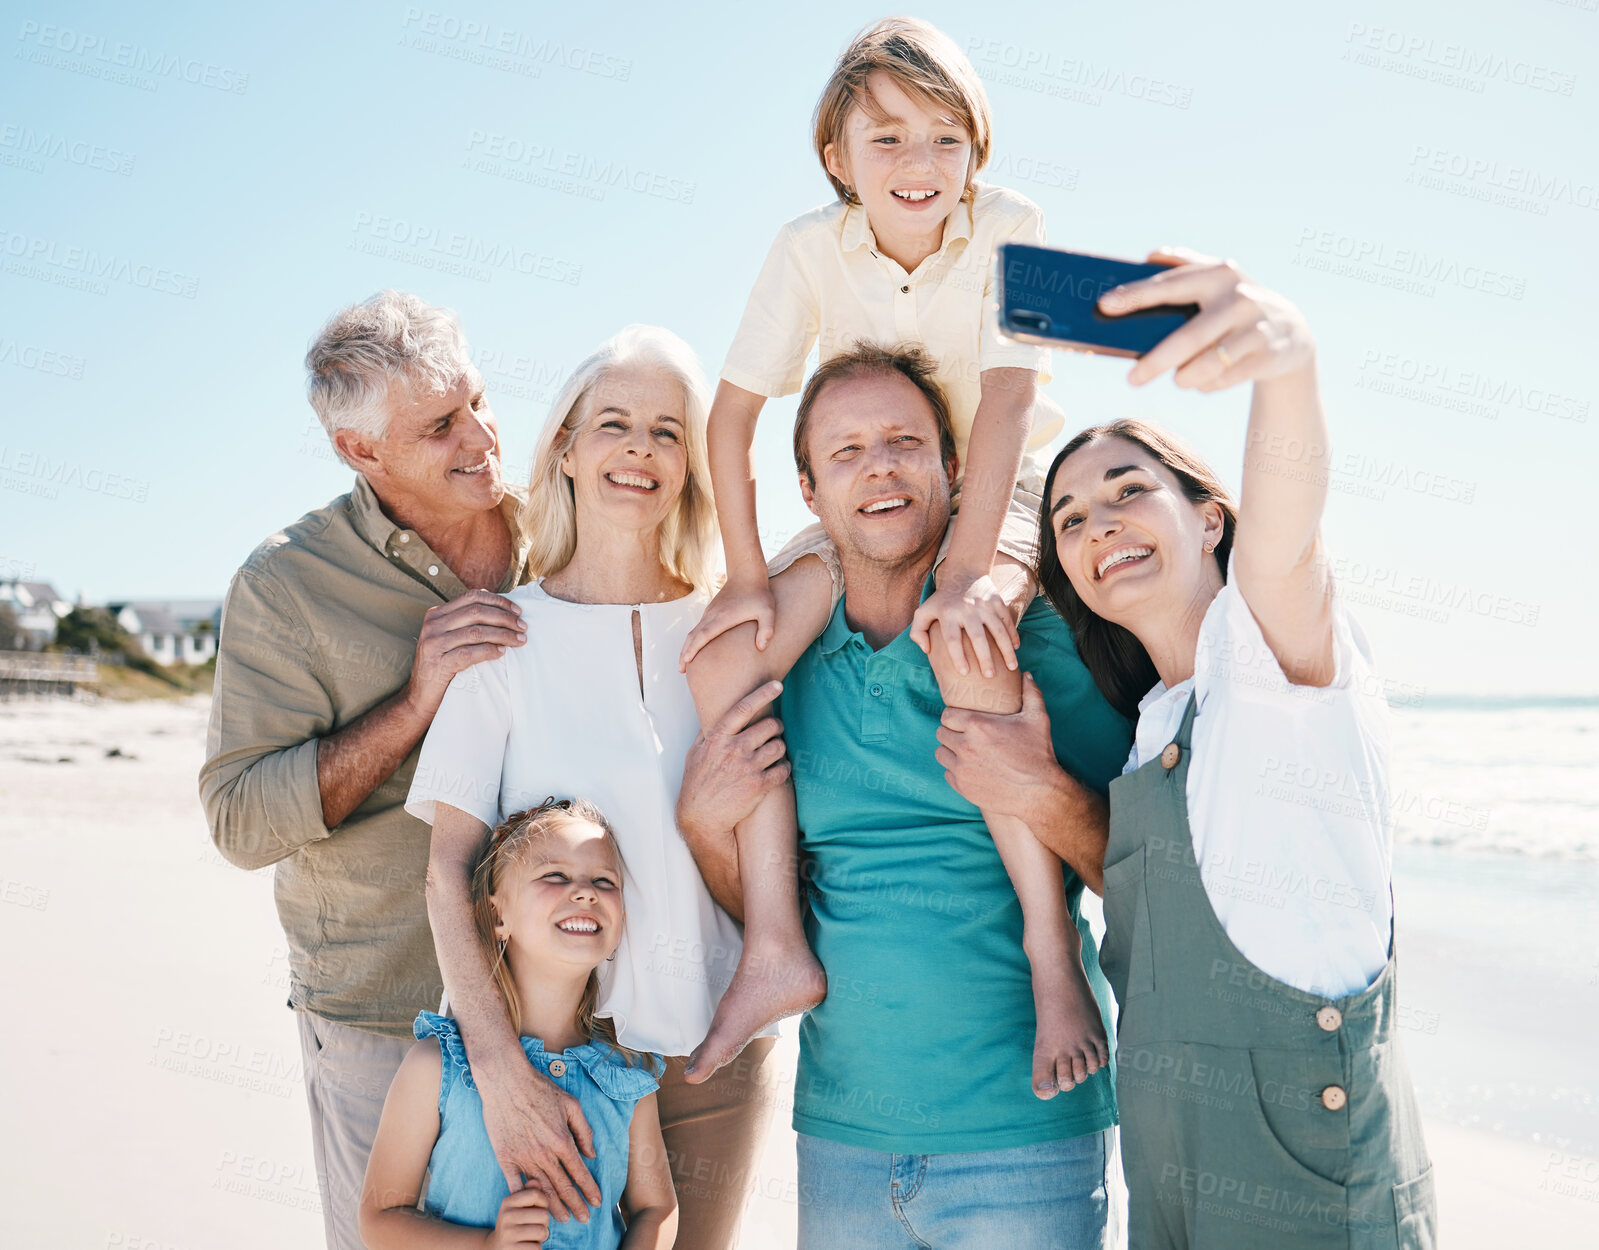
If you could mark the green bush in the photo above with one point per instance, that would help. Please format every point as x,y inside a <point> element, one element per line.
<point>95,631</point>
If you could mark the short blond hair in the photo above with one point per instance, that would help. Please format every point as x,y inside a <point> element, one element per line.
<point>690,542</point>
<point>928,67</point>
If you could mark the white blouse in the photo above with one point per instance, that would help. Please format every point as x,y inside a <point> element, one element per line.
<point>562,715</point>
<point>1287,799</point>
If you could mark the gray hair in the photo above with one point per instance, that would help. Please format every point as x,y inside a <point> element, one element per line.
<point>391,337</point>
<point>690,547</point>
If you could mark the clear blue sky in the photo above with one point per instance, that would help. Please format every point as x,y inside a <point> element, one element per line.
<point>237,173</point>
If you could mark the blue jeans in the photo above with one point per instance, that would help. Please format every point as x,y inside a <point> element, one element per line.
<point>1046,1197</point>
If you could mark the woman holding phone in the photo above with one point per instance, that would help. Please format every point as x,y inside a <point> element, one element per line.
<point>1264,1096</point>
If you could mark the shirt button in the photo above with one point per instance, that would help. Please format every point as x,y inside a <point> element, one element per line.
<point>433,570</point>
<point>904,290</point>
<point>1333,1098</point>
<point>557,1067</point>
<point>1170,756</point>
<point>1329,1018</point>
<point>877,691</point>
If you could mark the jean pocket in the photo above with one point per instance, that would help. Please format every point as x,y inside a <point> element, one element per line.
<point>1416,1213</point>
<point>1128,955</point>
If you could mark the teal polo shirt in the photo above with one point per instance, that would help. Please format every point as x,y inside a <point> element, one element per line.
<point>924,1043</point>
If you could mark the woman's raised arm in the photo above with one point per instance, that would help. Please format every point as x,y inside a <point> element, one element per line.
<point>1246,333</point>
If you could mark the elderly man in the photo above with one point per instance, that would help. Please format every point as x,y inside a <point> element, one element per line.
<point>339,637</point>
<point>914,1103</point>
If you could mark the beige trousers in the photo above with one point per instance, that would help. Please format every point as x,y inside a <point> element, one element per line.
<point>715,1134</point>
<point>347,1076</point>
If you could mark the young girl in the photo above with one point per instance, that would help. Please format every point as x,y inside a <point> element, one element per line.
<point>1263,1092</point>
<point>905,254</point>
<point>547,898</point>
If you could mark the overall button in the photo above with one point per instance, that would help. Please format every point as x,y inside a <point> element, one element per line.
<point>1334,1098</point>
<point>405,538</point>
<point>1329,1018</point>
<point>558,1069</point>
<point>1170,756</point>
<point>876,690</point>
<point>433,570</point>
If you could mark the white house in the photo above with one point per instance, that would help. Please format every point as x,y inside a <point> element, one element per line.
<point>182,631</point>
<point>38,607</point>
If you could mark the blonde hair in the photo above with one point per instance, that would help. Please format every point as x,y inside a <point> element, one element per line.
<point>508,845</point>
<point>927,65</point>
<point>690,548</point>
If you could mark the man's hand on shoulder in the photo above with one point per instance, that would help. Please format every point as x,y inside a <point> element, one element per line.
<point>477,626</point>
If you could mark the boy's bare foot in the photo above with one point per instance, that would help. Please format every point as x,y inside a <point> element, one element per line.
<point>1070,1044</point>
<point>767,987</point>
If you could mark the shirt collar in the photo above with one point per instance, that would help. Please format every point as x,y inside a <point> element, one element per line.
<point>838,633</point>
<point>377,528</point>
<point>371,522</point>
<point>857,231</point>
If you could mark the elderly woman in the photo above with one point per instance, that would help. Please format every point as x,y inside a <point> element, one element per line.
<point>622,535</point>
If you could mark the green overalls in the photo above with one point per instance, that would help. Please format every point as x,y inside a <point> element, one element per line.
<point>1253,1114</point>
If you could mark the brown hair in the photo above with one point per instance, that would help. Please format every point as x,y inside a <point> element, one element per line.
<point>874,360</point>
<point>928,67</point>
<point>1116,660</point>
<point>506,846</point>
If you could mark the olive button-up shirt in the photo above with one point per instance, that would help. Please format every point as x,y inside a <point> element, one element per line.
<point>319,627</point>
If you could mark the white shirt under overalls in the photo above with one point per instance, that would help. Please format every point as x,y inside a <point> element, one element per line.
<point>1287,799</point>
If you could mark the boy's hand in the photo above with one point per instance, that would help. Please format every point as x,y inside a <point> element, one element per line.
<point>734,604</point>
<point>524,1220</point>
<point>973,606</point>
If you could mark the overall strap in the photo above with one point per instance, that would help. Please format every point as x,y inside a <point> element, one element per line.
<point>1185,731</point>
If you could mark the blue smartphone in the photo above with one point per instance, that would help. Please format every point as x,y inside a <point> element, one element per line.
<point>1048,296</point>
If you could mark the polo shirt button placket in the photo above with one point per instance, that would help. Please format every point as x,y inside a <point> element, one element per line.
<point>905,312</point>
<point>877,711</point>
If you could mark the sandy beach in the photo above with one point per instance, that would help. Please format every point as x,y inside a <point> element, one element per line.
<point>155,1081</point>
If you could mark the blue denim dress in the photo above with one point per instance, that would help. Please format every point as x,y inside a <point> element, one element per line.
<point>465,1184</point>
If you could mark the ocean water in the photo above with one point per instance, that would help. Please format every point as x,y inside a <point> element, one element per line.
<point>1510,776</point>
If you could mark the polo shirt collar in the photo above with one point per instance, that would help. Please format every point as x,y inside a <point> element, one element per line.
<point>838,633</point>
<point>857,231</point>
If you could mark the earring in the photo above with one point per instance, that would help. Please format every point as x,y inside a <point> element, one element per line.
<point>610,957</point>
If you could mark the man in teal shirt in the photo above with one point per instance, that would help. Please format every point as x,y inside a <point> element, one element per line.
<point>913,1099</point>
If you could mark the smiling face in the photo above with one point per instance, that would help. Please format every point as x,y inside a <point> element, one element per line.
<point>909,166</point>
<point>878,483</point>
<point>440,454</point>
<point>627,460</point>
<point>560,901</point>
<point>1129,540</point>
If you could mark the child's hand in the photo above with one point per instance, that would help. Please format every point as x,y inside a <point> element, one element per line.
<point>973,606</point>
<point>734,604</point>
<point>524,1219</point>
